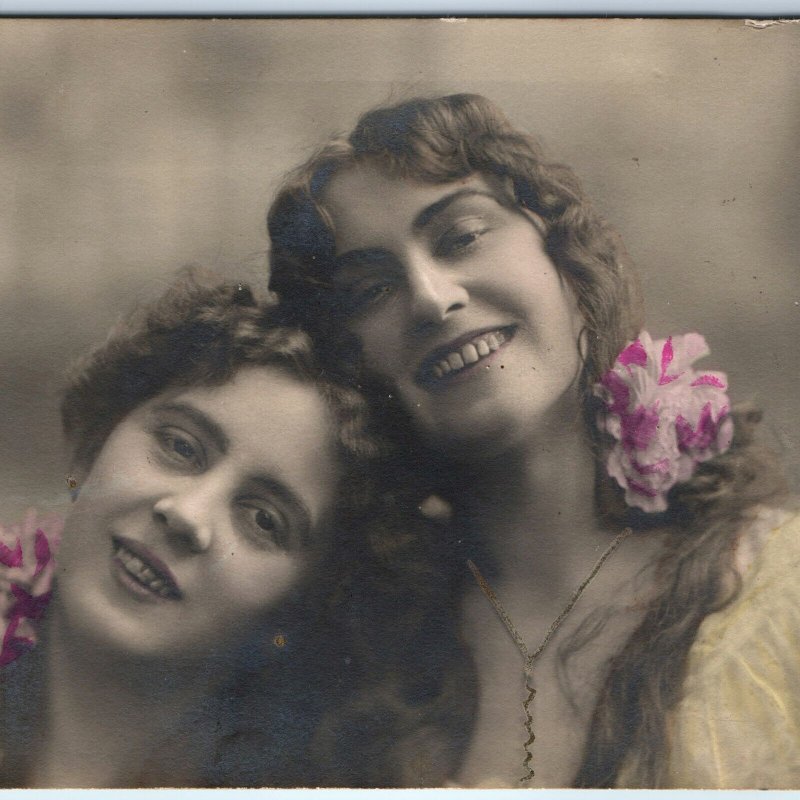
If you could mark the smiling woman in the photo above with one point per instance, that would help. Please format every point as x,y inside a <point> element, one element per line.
<point>209,466</point>
<point>420,255</point>
<point>208,505</point>
<point>443,261</point>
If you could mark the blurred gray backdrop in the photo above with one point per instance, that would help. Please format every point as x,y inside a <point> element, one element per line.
<point>129,148</point>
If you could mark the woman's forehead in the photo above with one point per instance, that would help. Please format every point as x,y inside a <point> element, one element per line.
<point>365,198</point>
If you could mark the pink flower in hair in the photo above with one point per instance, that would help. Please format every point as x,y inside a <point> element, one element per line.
<point>663,417</point>
<point>26,578</point>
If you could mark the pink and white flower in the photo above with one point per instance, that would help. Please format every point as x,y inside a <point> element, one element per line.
<point>663,416</point>
<point>26,578</point>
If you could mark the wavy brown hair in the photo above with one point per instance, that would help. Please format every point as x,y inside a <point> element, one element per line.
<point>256,728</point>
<point>198,333</point>
<point>347,665</point>
<point>444,139</point>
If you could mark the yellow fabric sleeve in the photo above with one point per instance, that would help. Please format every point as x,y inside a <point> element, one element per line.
<point>738,723</point>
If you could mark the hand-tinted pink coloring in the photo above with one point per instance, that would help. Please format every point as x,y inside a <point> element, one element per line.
<point>661,416</point>
<point>666,359</point>
<point>9,557</point>
<point>709,380</point>
<point>618,389</point>
<point>634,353</point>
<point>639,428</point>
<point>25,583</point>
<point>41,549</point>
<point>14,646</point>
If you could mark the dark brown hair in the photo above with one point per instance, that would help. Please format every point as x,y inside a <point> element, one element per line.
<point>199,332</point>
<point>255,727</point>
<point>349,666</point>
<point>447,138</point>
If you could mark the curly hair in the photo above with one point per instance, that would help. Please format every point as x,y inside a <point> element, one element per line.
<point>338,670</point>
<point>199,332</point>
<point>447,138</point>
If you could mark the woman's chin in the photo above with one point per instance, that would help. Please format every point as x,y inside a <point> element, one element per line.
<point>484,426</point>
<point>473,441</point>
<point>89,619</point>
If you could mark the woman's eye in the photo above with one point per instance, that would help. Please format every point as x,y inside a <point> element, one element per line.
<point>375,292</point>
<point>180,447</point>
<point>267,524</point>
<point>363,296</point>
<point>459,239</point>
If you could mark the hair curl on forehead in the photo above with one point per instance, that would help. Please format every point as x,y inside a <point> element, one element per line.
<point>198,333</point>
<point>441,139</point>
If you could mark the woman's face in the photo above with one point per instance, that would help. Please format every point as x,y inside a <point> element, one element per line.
<point>203,509</point>
<point>456,304</point>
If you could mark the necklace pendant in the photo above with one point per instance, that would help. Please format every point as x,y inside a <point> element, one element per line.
<point>530,657</point>
<point>526,705</point>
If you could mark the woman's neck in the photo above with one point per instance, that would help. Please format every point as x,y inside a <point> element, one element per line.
<point>105,713</point>
<point>532,510</point>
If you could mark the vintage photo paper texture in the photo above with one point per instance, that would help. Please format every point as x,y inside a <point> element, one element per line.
<point>379,460</point>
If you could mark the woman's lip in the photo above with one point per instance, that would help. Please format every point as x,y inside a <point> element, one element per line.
<point>425,374</point>
<point>154,563</point>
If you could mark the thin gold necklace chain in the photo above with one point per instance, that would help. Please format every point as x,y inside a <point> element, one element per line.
<point>530,658</point>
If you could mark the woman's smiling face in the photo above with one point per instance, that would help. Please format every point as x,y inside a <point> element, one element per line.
<point>456,304</point>
<point>203,509</point>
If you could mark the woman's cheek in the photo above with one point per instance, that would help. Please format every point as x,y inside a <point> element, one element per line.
<point>250,586</point>
<point>380,339</point>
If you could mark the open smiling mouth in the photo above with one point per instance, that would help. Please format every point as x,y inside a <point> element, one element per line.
<point>447,363</point>
<point>142,572</point>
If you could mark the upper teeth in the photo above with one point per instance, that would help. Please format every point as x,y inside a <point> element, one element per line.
<point>474,350</point>
<point>142,572</point>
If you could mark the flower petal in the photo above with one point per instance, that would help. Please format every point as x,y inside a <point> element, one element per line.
<point>639,428</point>
<point>634,353</point>
<point>687,349</point>
<point>708,380</point>
<point>666,359</point>
<point>13,646</point>
<point>679,417</point>
<point>9,557</point>
<point>27,605</point>
<point>619,391</point>
<point>41,549</point>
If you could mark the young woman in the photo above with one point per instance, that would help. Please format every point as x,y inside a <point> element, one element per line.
<point>437,255</point>
<point>213,465</point>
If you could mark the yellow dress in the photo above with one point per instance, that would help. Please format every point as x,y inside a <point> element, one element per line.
<point>738,723</point>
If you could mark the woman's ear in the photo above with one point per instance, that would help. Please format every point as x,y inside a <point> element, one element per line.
<point>583,343</point>
<point>537,221</point>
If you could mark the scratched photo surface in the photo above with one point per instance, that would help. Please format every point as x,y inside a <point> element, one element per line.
<point>130,149</point>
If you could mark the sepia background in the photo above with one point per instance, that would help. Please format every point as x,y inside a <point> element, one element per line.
<point>130,148</point>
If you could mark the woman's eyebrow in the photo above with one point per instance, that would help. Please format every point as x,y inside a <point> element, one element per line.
<point>428,213</point>
<point>290,498</point>
<point>373,254</point>
<point>355,258</point>
<point>201,420</point>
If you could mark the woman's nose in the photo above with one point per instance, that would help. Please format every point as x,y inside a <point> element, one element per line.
<point>186,519</point>
<point>435,291</point>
